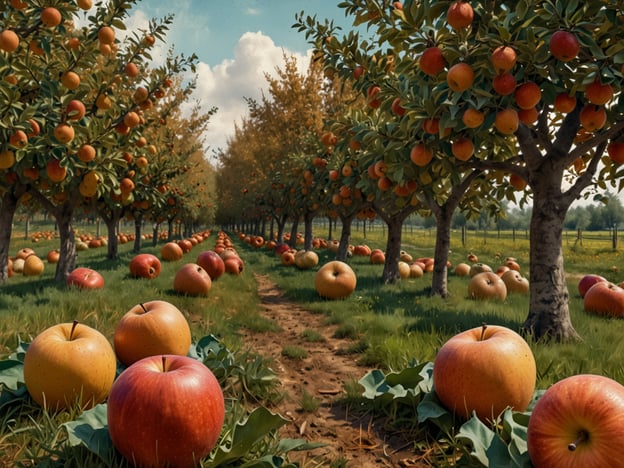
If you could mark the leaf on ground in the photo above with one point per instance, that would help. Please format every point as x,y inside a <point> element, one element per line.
<point>91,430</point>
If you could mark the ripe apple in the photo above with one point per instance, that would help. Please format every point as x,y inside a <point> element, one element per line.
<point>85,278</point>
<point>460,77</point>
<point>335,280</point>
<point>462,269</point>
<point>234,265</point>
<point>515,282</point>
<point>578,422</point>
<point>615,150</point>
<point>564,103</point>
<point>478,267</point>
<point>53,256</point>
<point>528,95</point>
<point>151,328</point>
<point>416,270</point>
<point>306,259</point>
<point>598,93</point>
<point>69,363</point>
<point>564,46</point>
<point>504,84</point>
<point>432,61</point>
<point>503,58</point>
<point>288,258</point>
<point>165,410</point>
<point>605,298</point>
<point>192,280</point>
<point>593,117</point>
<point>487,285</point>
<point>459,15</point>
<point>145,266</point>
<point>404,270</point>
<point>486,370</point>
<point>377,257</point>
<point>212,262</point>
<point>587,282</point>
<point>33,266</point>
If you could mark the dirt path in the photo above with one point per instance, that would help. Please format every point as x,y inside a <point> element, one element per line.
<point>320,376</point>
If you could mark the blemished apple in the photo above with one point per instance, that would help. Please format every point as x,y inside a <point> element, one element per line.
<point>165,410</point>
<point>487,285</point>
<point>85,278</point>
<point>577,422</point>
<point>192,280</point>
<point>485,370</point>
<point>145,266</point>
<point>212,262</point>
<point>335,280</point>
<point>151,328</point>
<point>306,259</point>
<point>69,364</point>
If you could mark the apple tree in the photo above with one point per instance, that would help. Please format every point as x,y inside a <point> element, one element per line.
<point>533,86</point>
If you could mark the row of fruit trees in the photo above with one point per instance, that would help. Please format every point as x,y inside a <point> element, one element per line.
<point>92,125</point>
<point>434,106</point>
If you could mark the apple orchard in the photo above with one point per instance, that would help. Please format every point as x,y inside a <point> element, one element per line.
<point>423,107</point>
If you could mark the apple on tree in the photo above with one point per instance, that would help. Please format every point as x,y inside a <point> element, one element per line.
<point>577,422</point>
<point>165,410</point>
<point>69,363</point>
<point>485,370</point>
<point>151,328</point>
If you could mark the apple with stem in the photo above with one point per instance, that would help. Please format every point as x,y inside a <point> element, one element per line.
<point>335,280</point>
<point>68,364</point>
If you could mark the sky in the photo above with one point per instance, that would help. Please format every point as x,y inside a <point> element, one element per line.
<point>236,42</point>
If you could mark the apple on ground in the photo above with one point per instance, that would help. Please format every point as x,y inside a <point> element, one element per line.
<point>335,280</point>
<point>515,282</point>
<point>485,370</point>
<point>69,364</point>
<point>577,422</point>
<point>487,285</point>
<point>151,328</point>
<point>234,265</point>
<point>192,280</point>
<point>212,262</point>
<point>587,282</point>
<point>306,259</point>
<point>85,278</point>
<point>145,266</point>
<point>165,410</point>
<point>605,298</point>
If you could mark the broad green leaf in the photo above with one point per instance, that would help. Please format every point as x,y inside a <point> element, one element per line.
<point>11,373</point>
<point>90,429</point>
<point>480,437</point>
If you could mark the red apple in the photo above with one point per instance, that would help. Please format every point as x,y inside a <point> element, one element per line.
<point>487,285</point>
<point>212,262</point>
<point>151,328</point>
<point>577,422</point>
<point>68,364</point>
<point>485,370</point>
<point>564,46</point>
<point>335,280</point>
<point>234,265</point>
<point>460,14</point>
<point>587,282</point>
<point>192,280</point>
<point>165,410</point>
<point>605,298</point>
<point>85,278</point>
<point>145,266</point>
<point>432,61</point>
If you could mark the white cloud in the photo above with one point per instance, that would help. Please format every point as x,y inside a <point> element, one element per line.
<point>227,84</point>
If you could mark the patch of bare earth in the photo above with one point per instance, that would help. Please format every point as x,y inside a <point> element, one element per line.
<point>357,439</point>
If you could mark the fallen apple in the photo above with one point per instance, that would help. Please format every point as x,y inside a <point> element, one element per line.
<point>212,262</point>
<point>485,370</point>
<point>145,266</point>
<point>85,278</point>
<point>577,422</point>
<point>605,298</point>
<point>487,285</point>
<point>68,364</point>
<point>165,410</point>
<point>587,282</point>
<point>192,280</point>
<point>335,280</point>
<point>151,328</point>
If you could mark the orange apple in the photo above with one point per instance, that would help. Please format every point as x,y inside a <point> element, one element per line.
<point>335,280</point>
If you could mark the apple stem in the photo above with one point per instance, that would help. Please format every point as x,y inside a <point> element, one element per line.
<point>483,328</point>
<point>164,359</point>
<point>71,332</point>
<point>143,307</point>
<point>582,437</point>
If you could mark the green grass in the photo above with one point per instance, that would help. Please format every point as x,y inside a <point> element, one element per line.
<point>294,352</point>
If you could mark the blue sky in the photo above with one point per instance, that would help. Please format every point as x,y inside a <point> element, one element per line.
<point>237,42</point>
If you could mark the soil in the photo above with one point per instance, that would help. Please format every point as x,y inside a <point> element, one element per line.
<point>351,439</point>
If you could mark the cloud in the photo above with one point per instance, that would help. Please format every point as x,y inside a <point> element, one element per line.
<point>227,84</point>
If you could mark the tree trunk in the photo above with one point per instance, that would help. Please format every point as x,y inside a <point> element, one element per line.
<point>549,313</point>
<point>155,234</point>
<point>112,229</point>
<point>329,233</point>
<point>67,251</point>
<point>138,223</point>
<point>393,250</point>
<point>7,213</point>
<point>439,280</point>
<point>345,238</point>
<point>293,233</point>
<point>308,235</point>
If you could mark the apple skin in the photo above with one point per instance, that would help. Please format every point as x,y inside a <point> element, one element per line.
<point>212,262</point>
<point>515,282</point>
<point>587,282</point>
<point>587,404</point>
<point>487,285</point>
<point>149,329</point>
<point>485,371</point>
<point>605,298</point>
<point>234,265</point>
<point>85,278</point>
<point>145,266</point>
<point>335,280</point>
<point>306,259</point>
<point>192,280</point>
<point>62,367</point>
<point>165,410</point>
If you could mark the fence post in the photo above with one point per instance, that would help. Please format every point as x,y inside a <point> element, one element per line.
<point>614,238</point>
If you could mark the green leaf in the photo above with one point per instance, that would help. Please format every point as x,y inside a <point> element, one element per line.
<point>90,429</point>
<point>260,423</point>
<point>480,437</point>
<point>11,373</point>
